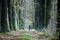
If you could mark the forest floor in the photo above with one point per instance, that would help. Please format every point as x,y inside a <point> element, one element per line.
<point>17,35</point>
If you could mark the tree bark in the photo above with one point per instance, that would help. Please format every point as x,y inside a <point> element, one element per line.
<point>4,18</point>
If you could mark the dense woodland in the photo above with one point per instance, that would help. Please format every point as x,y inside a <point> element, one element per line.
<point>12,18</point>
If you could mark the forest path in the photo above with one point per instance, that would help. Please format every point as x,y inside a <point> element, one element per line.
<point>14,35</point>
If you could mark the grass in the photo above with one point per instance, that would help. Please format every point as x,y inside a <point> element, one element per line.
<point>25,36</point>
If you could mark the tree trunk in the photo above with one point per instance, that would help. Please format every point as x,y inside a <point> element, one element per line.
<point>4,17</point>
<point>0,13</point>
<point>15,25</point>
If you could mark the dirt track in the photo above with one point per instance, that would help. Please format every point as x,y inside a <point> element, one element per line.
<point>14,35</point>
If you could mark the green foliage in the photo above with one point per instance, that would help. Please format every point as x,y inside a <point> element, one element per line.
<point>58,33</point>
<point>44,34</point>
<point>25,36</point>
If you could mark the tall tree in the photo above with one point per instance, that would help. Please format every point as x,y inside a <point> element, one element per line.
<point>15,25</point>
<point>0,12</point>
<point>4,17</point>
<point>10,13</point>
